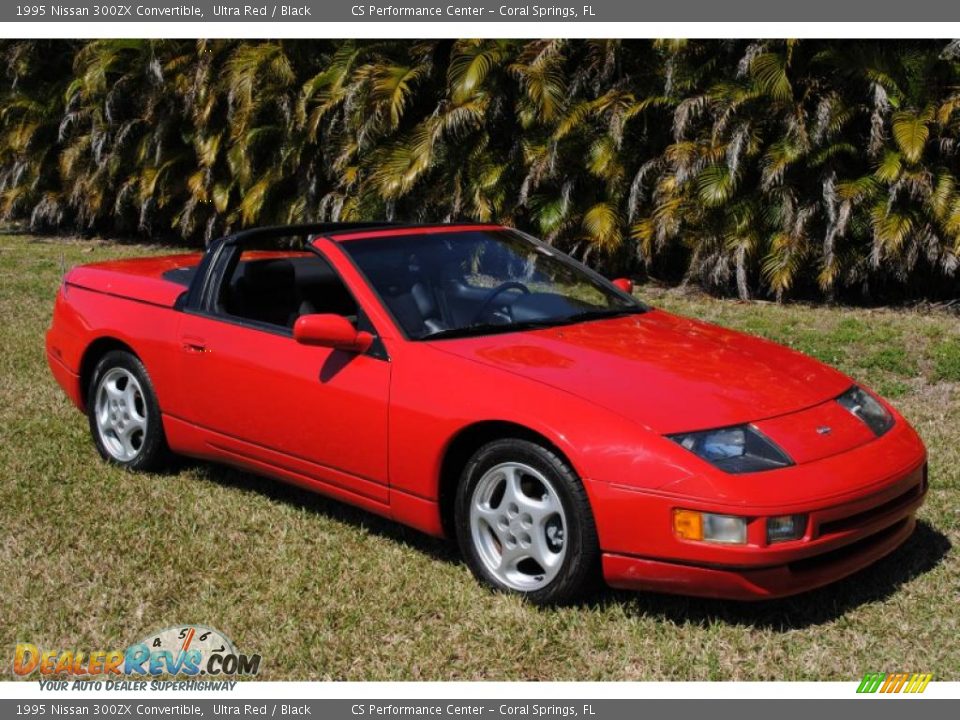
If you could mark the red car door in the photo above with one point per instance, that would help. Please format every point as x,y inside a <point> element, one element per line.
<point>261,398</point>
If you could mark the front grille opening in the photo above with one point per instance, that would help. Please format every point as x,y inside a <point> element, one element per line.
<point>861,518</point>
<point>847,551</point>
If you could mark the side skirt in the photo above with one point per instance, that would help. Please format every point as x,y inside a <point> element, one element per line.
<point>195,441</point>
<point>199,442</point>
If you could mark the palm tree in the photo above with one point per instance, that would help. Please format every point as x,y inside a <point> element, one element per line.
<point>784,163</point>
<point>31,108</point>
<point>758,167</point>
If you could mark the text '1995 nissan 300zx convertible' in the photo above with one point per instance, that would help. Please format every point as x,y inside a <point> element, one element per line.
<point>473,382</point>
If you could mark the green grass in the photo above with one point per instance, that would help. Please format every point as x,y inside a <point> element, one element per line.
<point>95,558</point>
<point>946,360</point>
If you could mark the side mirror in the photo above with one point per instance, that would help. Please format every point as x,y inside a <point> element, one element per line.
<point>332,331</point>
<point>625,284</point>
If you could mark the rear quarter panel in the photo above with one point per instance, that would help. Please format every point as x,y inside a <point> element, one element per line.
<point>82,316</point>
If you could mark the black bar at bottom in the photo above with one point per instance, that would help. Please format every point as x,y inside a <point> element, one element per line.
<point>873,707</point>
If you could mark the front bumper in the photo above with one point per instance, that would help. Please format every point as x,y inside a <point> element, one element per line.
<point>633,573</point>
<point>846,531</point>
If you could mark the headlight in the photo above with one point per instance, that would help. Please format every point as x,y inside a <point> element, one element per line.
<point>864,406</point>
<point>709,527</point>
<point>785,527</point>
<point>739,449</point>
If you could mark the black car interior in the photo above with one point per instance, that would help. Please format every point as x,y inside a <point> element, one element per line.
<point>277,291</point>
<point>431,282</point>
<point>409,296</point>
<point>426,292</point>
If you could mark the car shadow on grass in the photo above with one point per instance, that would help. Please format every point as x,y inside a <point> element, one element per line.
<point>331,508</point>
<point>924,550</point>
<point>921,553</point>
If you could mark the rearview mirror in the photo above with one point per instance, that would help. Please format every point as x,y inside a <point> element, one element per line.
<point>625,284</point>
<point>332,331</point>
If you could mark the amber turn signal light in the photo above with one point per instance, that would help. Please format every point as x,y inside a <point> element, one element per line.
<point>688,524</point>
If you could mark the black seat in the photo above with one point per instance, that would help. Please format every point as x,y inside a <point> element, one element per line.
<point>267,292</point>
<point>415,309</point>
<point>427,307</point>
<point>323,292</point>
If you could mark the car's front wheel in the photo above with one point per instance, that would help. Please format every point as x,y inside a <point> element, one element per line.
<point>124,415</point>
<point>524,523</point>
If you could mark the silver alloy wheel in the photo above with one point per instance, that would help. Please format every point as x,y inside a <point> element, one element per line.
<point>518,526</point>
<point>121,412</point>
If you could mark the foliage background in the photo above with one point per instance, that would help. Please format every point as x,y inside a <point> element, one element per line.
<point>770,167</point>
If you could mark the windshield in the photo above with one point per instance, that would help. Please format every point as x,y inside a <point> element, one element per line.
<point>476,282</point>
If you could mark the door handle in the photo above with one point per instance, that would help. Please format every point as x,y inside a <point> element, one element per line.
<point>194,345</point>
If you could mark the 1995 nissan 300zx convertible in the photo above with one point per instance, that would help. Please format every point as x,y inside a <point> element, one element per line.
<point>473,382</point>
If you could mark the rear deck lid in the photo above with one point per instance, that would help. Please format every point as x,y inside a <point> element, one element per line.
<point>157,280</point>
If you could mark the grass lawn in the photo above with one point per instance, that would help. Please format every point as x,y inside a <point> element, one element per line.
<point>95,558</point>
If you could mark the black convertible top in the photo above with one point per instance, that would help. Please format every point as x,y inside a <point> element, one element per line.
<point>279,231</point>
<point>330,229</point>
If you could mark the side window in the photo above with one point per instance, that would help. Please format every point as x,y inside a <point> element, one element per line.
<point>276,287</point>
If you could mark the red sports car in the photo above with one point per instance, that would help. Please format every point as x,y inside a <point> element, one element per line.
<point>471,381</point>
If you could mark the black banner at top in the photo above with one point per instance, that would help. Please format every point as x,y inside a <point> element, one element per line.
<point>474,11</point>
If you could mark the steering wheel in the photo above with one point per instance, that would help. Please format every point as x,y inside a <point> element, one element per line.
<point>495,293</point>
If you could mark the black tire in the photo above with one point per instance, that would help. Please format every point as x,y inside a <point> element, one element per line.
<point>578,570</point>
<point>151,451</point>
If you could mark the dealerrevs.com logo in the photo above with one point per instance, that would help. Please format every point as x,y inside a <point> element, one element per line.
<point>190,650</point>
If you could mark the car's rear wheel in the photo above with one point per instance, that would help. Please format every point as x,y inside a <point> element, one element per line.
<point>524,523</point>
<point>124,415</point>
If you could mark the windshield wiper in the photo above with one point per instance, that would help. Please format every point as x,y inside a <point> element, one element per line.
<point>601,314</point>
<point>490,329</point>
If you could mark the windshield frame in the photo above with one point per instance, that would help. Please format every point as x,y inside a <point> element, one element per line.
<point>632,304</point>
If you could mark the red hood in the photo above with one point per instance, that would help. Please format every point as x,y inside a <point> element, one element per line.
<point>668,373</point>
